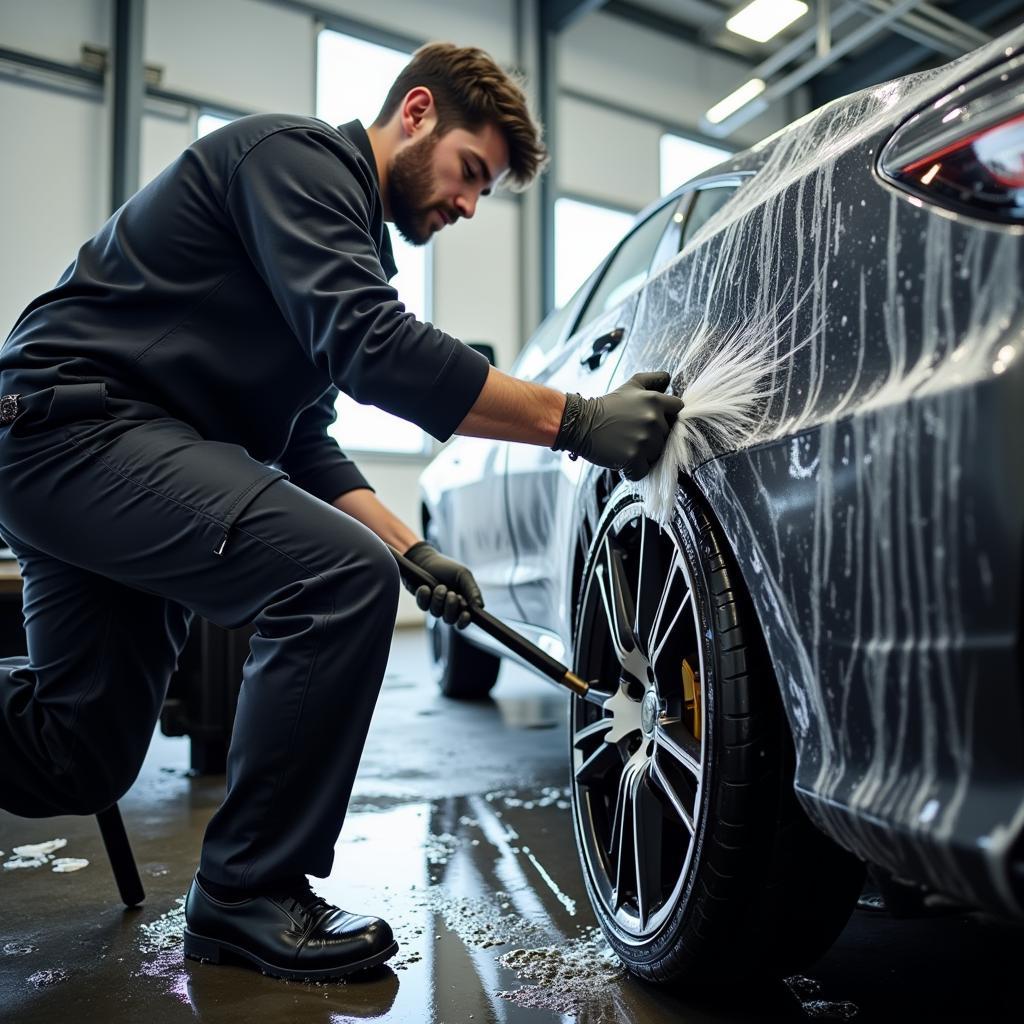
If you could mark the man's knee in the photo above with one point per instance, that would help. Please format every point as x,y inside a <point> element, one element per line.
<point>73,792</point>
<point>94,788</point>
<point>384,571</point>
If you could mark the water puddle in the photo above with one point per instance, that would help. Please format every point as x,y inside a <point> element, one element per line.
<point>18,948</point>
<point>162,942</point>
<point>807,992</point>
<point>49,976</point>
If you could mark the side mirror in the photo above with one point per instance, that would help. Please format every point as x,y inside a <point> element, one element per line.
<point>485,348</point>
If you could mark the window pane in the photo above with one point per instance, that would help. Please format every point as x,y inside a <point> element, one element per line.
<point>706,204</point>
<point>543,342</point>
<point>210,123</point>
<point>629,266</point>
<point>584,234</point>
<point>352,81</point>
<point>683,159</point>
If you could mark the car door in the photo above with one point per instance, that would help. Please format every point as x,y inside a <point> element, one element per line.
<point>540,483</point>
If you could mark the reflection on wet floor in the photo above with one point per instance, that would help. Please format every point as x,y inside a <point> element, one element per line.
<point>460,835</point>
<point>455,883</point>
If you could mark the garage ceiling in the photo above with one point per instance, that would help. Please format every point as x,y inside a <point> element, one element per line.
<point>837,47</point>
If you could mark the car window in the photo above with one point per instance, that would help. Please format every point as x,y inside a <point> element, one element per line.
<point>629,266</point>
<point>707,202</point>
<point>671,237</point>
<point>549,335</point>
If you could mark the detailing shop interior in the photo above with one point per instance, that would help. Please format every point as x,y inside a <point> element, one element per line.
<point>608,607</point>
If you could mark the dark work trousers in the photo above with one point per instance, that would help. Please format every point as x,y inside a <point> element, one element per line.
<point>115,511</point>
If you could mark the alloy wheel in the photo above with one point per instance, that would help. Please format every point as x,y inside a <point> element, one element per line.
<point>639,743</point>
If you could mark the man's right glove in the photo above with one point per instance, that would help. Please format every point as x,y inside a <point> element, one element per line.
<point>625,429</point>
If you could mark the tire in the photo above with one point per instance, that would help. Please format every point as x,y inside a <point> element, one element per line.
<point>697,859</point>
<point>463,672</point>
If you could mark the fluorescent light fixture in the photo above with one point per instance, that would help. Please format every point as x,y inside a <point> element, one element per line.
<point>762,19</point>
<point>740,98</point>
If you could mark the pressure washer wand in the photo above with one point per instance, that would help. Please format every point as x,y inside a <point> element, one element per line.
<point>529,652</point>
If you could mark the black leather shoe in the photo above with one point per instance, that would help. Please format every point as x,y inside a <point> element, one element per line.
<point>294,934</point>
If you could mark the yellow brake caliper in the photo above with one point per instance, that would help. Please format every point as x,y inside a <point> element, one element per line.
<point>691,698</point>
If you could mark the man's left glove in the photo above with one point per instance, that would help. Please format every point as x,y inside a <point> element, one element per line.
<point>455,591</point>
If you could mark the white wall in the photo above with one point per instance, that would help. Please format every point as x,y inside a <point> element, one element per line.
<point>54,188</point>
<point>258,55</point>
<point>249,55</point>
<point>54,28</point>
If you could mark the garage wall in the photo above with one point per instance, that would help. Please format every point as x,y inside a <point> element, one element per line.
<point>259,55</point>
<point>627,85</point>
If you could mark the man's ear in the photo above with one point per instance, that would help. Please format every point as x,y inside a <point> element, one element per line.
<point>417,111</point>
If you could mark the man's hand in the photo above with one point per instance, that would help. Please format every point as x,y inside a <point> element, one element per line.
<point>626,429</point>
<point>455,591</point>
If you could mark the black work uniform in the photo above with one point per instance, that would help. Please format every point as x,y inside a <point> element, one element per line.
<point>169,456</point>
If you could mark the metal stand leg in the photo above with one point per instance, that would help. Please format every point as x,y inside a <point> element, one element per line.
<point>122,860</point>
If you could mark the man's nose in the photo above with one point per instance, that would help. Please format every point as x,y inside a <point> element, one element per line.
<point>466,205</point>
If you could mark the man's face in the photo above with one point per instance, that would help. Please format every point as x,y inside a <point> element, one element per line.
<point>433,181</point>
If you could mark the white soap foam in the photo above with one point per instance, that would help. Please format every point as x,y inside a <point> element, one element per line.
<point>64,864</point>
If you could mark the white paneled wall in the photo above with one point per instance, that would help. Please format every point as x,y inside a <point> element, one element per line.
<point>53,187</point>
<point>54,28</point>
<point>247,54</point>
<point>260,55</point>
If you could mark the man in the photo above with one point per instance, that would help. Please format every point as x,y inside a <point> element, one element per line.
<point>163,452</point>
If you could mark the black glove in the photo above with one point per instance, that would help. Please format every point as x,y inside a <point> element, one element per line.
<point>626,429</point>
<point>455,586</point>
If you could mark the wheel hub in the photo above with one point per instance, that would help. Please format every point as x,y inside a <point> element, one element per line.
<point>649,710</point>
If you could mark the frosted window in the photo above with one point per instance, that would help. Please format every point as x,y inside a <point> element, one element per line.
<point>629,266</point>
<point>352,81</point>
<point>210,123</point>
<point>683,159</point>
<point>584,235</point>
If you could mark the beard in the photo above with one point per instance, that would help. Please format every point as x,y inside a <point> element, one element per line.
<point>410,183</point>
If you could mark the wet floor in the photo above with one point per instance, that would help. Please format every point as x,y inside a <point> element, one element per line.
<point>459,835</point>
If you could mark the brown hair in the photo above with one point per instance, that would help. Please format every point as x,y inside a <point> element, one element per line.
<point>471,90</point>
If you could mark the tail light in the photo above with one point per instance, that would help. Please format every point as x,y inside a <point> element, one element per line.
<point>966,151</point>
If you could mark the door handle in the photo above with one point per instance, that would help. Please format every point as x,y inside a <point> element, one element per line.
<point>601,347</point>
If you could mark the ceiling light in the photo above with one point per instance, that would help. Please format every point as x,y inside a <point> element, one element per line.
<point>740,98</point>
<point>762,19</point>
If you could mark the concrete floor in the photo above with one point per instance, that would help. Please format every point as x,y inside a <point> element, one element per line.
<point>459,834</point>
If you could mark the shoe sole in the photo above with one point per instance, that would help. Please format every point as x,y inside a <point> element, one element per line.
<point>217,951</point>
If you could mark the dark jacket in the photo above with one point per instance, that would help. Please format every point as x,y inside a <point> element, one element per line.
<point>239,290</point>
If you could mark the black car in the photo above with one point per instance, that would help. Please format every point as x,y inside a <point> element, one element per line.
<point>811,656</point>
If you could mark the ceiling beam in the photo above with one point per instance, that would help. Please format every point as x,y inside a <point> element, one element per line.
<point>560,14</point>
<point>665,25</point>
<point>894,57</point>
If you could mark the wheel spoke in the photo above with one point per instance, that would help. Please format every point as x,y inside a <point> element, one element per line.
<point>624,833</point>
<point>659,611</point>
<point>617,814</point>
<point>647,823</point>
<point>665,784</point>
<point>640,575</point>
<point>617,600</point>
<point>656,652</point>
<point>598,728</point>
<point>649,575</point>
<point>598,764</point>
<point>671,747</point>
